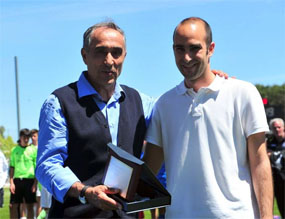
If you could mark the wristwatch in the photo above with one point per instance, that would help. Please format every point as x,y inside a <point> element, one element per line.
<point>81,197</point>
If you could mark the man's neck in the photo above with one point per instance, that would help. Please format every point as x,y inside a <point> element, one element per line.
<point>204,81</point>
<point>280,138</point>
<point>105,92</point>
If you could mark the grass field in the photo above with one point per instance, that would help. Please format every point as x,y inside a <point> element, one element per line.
<point>4,212</point>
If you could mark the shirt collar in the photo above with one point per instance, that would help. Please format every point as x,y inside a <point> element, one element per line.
<point>215,86</point>
<point>86,89</point>
<point>181,88</point>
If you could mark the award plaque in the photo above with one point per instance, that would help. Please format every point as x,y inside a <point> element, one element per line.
<point>140,189</point>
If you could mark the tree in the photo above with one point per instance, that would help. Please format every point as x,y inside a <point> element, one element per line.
<point>275,96</point>
<point>2,130</point>
<point>6,144</point>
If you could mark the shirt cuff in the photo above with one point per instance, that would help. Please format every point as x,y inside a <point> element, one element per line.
<point>61,185</point>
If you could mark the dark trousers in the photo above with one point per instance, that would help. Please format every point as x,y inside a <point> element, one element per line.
<point>279,191</point>
<point>1,197</point>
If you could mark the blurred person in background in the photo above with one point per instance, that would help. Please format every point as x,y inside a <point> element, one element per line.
<point>23,184</point>
<point>3,175</point>
<point>276,152</point>
<point>34,138</point>
<point>46,199</point>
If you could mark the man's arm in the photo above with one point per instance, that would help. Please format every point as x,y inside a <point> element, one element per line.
<point>153,157</point>
<point>12,185</point>
<point>261,174</point>
<point>52,152</point>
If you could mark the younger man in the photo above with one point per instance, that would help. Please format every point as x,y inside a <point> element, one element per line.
<point>211,134</point>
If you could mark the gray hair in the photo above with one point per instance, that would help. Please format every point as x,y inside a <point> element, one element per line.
<point>107,24</point>
<point>272,121</point>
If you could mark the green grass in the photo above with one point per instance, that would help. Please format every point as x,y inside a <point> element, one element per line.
<point>275,210</point>
<point>4,212</point>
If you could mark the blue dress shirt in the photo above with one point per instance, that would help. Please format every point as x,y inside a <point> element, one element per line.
<point>53,136</point>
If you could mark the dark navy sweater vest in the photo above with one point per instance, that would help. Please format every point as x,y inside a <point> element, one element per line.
<point>88,134</point>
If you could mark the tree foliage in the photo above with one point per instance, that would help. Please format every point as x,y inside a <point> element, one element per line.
<point>6,144</point>
<point>275,94</point>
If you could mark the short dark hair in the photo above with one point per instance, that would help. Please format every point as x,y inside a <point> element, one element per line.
<point>107,24</point>
<point>209,37</point>
<point>33,131</point>
<point>25,132</point>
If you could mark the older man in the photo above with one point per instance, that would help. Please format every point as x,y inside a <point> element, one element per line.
<point>78,120</point>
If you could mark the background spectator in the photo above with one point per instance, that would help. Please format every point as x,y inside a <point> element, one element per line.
<point>276,152</point>
<point>3,176</point>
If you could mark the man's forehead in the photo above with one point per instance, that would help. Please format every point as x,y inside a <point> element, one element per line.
<point>277,123</point>
<point>108,37</point>
<point>106,31</point>
<point>190,34</point>
<point>190,27</point>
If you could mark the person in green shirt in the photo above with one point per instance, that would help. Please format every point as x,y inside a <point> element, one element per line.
<point>34,138</point>
<point>23,183</point>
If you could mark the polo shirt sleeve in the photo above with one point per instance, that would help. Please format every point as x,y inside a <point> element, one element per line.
<point>253,113</point>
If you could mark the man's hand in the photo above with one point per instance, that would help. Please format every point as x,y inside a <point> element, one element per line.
<point>12,188</point>
<point>220,73</point>
<point>34,187</point>
<point>12,185</point>
<point>98,196</point>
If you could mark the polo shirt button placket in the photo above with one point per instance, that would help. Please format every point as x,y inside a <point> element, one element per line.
<point>197,111</point>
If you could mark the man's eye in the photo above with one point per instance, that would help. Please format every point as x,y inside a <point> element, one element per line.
<point>117,52</point>
<point>195,48</point>
<point>100,52</point>
<point>179,49</point>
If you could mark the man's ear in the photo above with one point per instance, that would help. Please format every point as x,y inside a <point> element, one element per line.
<point>211,49</point>
<point>83,54</point>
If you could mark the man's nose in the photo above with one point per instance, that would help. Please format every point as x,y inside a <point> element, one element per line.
<point>109,60</point>
<point>187,57</point>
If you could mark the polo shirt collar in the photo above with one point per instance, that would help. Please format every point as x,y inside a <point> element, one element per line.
<point>86,89</point>
<point>214,86</point>
<point>181,88</point>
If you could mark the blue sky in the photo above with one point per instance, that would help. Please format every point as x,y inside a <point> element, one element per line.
<point>46,36</point>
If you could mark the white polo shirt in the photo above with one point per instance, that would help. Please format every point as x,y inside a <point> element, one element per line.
<point>203,136</point>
